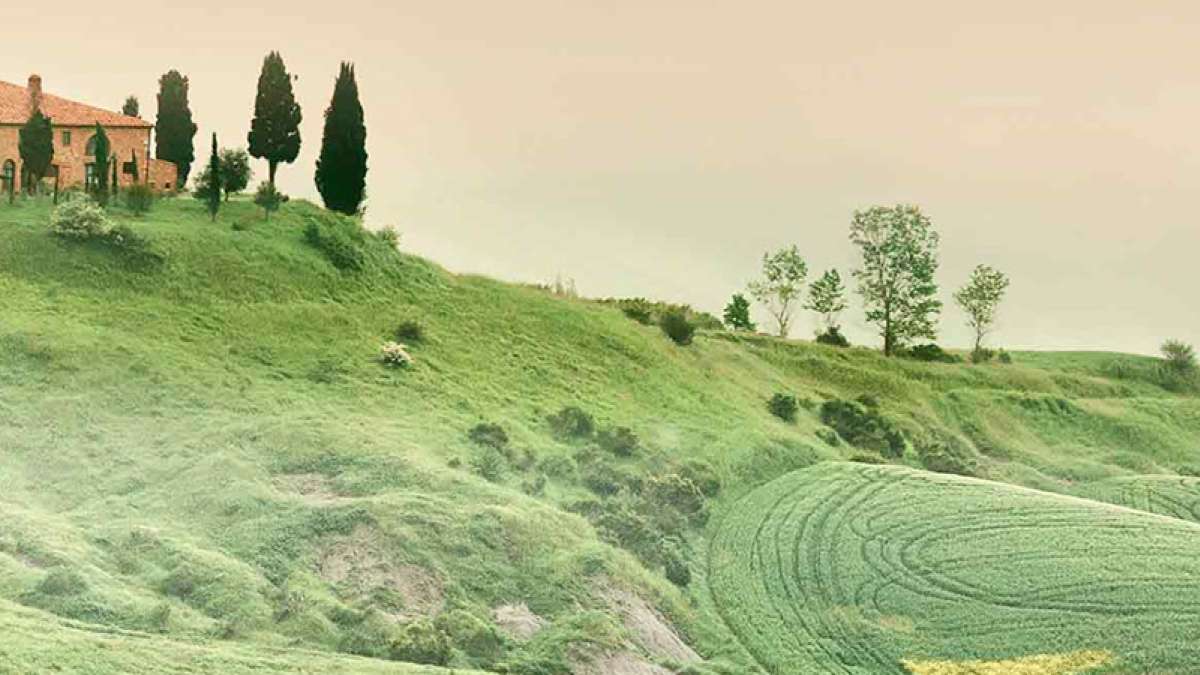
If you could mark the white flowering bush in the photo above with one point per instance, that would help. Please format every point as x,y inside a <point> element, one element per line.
<point>396,355</point>
<point>80,218</point>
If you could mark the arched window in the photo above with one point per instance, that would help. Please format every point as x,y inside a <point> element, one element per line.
<point>8,175</point>
<point>91,146</point>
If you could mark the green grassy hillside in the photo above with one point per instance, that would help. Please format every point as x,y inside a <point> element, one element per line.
<point>845,568</point>
<point>200,443</point>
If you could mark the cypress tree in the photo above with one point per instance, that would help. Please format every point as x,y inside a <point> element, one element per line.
<point>212,187</point>
<point>134,164</point>
<point>36,145</point>
<point>103,150</point>
<point>131,106</point>
<point>174,129</point>
<point>275,129</point>
<point>342,167</point>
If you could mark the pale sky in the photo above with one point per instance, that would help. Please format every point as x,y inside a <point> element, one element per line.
<point>658,148</point>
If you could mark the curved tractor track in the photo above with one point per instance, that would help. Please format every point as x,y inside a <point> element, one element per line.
<point>849,569</point>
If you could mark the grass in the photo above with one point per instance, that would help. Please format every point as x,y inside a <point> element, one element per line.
<point>845,568</point>
<point>203,445</point>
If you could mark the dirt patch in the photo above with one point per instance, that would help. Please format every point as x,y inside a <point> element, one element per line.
<point>616,663</point>
<point>312,487</point>
<point>360,569</point>
<point>517,621</point>
<point>649,629</point>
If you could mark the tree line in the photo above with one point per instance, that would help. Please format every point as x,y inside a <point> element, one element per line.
<point>274,136</point>
<point>895,280</point>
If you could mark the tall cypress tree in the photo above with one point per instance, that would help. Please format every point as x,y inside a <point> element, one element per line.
<point>342,167</point>
<point>35,143</point>
<point>212,187</point>
<point>103,150</point>
<point>131,107</point>
<point>174,129</point>
<point>275,129</point>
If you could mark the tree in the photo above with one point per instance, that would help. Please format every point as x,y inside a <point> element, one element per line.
<point>269,199</point>
<point>737,313</point>
<point>980,298</point>
<point>103,150</point>
<point>36,146</point>
<point>209,183</point>
<point>827,297</point>
<point>342,167</point>
<point>899,259</point>
<point>174,130</point>
<point>1180,357</point>
<point>235,171</point>
<point>783,275</point>
<point>131,107</point>
<point>275,129</point>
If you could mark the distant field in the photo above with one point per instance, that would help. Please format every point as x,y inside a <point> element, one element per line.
<point>1175,496</point>
<point>844,568</point>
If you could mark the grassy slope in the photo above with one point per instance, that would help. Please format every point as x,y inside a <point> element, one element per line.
<point>844,568</point>
<point>220,424</point>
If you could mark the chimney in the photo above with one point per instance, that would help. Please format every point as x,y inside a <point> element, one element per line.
<point>35,92</point>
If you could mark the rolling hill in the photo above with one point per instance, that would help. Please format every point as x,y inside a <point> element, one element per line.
<point>203,458</point>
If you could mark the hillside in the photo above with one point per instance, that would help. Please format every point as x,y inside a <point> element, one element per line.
<point>202,448</point>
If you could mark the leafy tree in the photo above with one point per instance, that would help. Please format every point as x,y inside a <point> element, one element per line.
<point>342,167</point>
<point>174,129</point>
<point>782,283</point>
<point>275,129</point>
<point>980,298</point>
<point>827,297</point>
<point>1180,357</point>
<point>36,146</point>
<point>899,259</point>
<point>269,199</point>
<point>235,171</point>
<point>102,165</point>
<point>737,313</point>
<point>209,183</point>
<point>131,106</point>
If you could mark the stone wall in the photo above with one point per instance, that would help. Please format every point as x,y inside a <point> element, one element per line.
<point>70,155</point>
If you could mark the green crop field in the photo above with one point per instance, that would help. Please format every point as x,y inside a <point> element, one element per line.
<point>203,460</point>
<point>854,569</point>
<point>1175,496</point>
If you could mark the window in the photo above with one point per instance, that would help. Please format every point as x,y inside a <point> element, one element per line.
<point>8,175</point>
<point>89,176</point>
<point>66,138</point>
<point>129,168</point>
<point>91,147</point>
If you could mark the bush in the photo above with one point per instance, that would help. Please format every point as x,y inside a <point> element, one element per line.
<point>474,636</point>
<point>490,435</point>
<point>947,456</point>
<point>339,239</point>
<point>396,355</point>
<point>931,353</point>
<point>678,327</point>
<point>982,355</point>
<point>703,476</point>
<point>1004,357</point>
<point>833,337</point>
<point>557,466</point>
<point>783,406</point>
<point>489,463</point>
<point>80,218</point>
<point>640,310</point>
<point>269,199</point>
<point>420,641</point>
<point>410,332</point>
<point>620,441</point>
<point>62,581</point>
<point>605,479</point>
<point>676,568</point>
<point>1178,371</point>
<point>139,198</point>
<point>862,425</point>
<point>388,236</point>
<point>673,492</point>
<point>572,423</point>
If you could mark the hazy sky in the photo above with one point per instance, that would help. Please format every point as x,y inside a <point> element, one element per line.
<point>658,148</point>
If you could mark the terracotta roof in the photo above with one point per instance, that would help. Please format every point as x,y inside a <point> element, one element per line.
<point>14,109</point>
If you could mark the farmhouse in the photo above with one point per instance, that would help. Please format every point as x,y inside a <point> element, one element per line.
<point>74,127</point>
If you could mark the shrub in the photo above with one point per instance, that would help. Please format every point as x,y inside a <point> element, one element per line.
<point>339,239</point>
<point>420,641</point>
<point>396,355</point>
<point>557,466</point>
<point>620,441</point>
<point>1004,357</point>
<point>269,199</point>
<point>536,486</point>
<point>62,581</point>
<point>833,337</point>
<point>675,492</point>
<point>489,463</point>
<point>139,198</point>
<point>489,435</point>
<point>605,479</point>
<point>471,634</point>
<point>982,355</point>
<point>703,476</point>
<point>931,353</point>
<point>388,236</point>
<point>676,568</point>
<point>572,423</point>
<point>947,455</point>
<point>640,310</point>
<point>410,332</point>
<point>1178,371</point>
<point>862,425</point>
<point>81,218</point>
<point>678,327</point>
<point>783,406</point>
